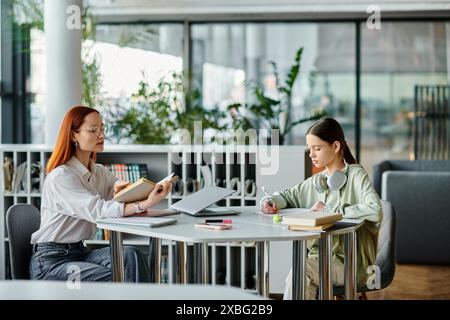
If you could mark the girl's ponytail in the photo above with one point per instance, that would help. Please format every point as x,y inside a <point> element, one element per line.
<point>348,157</point>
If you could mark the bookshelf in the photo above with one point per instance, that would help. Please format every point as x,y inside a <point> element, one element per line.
<point>237,167</point>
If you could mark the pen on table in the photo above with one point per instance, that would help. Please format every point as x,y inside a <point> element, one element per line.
<point>225,221</point>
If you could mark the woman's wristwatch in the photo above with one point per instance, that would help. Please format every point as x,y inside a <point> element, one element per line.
<point>137,209</point>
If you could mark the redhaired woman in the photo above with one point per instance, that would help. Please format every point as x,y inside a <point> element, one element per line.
<point>76,192</point>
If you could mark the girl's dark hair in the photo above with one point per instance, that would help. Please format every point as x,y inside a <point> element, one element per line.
<point>330,131</point>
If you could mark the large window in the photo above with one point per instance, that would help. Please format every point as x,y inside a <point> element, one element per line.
<point>131,53</point>
<point>124,55</point>
<point>229,58</point>
<point>394,60</point>
<point>37,85</point>
<point>15,69</point>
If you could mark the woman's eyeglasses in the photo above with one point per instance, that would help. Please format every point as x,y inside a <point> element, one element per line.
<point>96,130</point>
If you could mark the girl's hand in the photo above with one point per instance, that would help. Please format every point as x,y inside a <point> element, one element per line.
<point>160,191</point>
<point>120,185</point>
<point>318,206</point>
<point>269,207</point>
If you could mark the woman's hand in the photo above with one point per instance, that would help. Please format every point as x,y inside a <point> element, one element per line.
<point>318,206</point>
<point>160,191</point>
<point>120,185</point>
<point>269,207</point>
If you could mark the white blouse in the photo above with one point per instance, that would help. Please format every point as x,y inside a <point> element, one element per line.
<point>72,199</point>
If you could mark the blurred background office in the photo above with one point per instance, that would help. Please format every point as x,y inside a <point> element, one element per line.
<point>161,64</point>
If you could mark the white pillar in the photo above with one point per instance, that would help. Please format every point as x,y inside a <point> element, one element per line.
<point>63,54</point>
<point>255,40</point>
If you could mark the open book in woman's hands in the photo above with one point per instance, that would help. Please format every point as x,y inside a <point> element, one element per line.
<point>140,189</point>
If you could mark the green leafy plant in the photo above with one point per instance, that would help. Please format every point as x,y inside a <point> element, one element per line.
<point>272,113</point>
<point>90,62</point>
<point>193,112</point>
<point>145,117</point>
<point>153,115</point>
<point>29,12</point>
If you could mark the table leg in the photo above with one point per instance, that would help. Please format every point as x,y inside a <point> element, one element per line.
<point>201,265</point>
<point>117,265</point>
<point>262,268</point>
<point>299,270</point>
<point>182,272</point>
<point>196,263</point>
<point>325,258</point>
<point>213,264</point>
<point>350,266</point>
<point>205,263</point>
<point>155,244</point>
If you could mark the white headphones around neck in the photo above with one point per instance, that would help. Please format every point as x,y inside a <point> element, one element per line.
<point>334,181</point>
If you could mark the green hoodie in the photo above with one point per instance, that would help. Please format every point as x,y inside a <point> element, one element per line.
<point>357,199</point>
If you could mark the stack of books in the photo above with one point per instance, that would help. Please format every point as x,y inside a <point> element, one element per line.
<point>128,171</point>
<point>102,234</point>
<point>310,220</point>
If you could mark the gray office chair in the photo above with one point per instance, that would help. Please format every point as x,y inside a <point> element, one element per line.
<point>386,252</point>
<point>21,221</point>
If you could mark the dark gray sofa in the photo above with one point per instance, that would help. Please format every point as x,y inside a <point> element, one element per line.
<point>420,194</point>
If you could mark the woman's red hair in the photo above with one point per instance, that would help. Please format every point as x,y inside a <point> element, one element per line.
<point>65,147</point>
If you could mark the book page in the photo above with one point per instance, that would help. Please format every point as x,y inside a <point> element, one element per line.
<point>171,177</point>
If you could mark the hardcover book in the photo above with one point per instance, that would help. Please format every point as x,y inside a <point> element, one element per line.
<point>140,189</point>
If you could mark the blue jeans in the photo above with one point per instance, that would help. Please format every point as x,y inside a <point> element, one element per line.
<point>63,261</point>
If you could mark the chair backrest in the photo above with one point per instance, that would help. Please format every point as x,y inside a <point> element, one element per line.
<point>386,244</point>
<point>386,250</point>
<point>21,221</point>
<point>406,165</point>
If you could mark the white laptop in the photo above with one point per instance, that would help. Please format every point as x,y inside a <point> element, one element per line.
<point>199,203</point>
